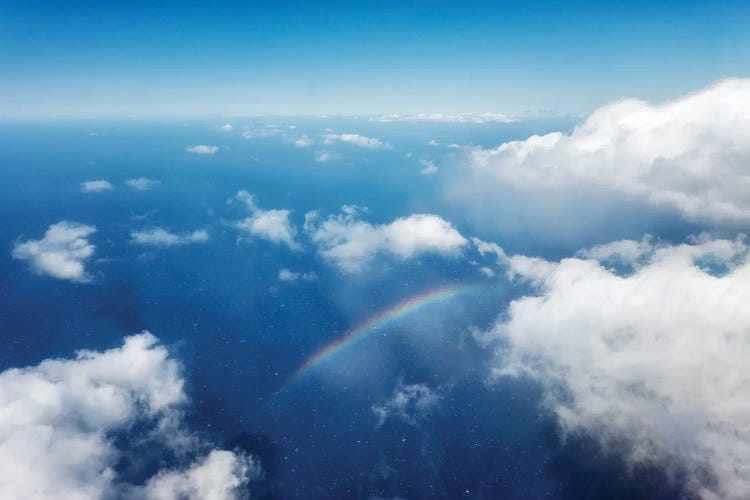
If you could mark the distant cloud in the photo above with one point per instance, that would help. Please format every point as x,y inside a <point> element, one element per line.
<point>160,237</point>
<point>270,225</point>
<point>324,156</point>
<point>447,118</point>
<point>433,142</point>
<point>690,154</point>
<point>409,403</point>
<point>96,186</point>
<point>488,272</point>
<point>356,140</point>
<point>61,253</point>
<point>288,275</point>
<point>202,149</point>
<point>303,141</point>
<point>264,132</point>
<point>226,128</point>
<point>651,360</point>
<point>429,167</point>
<point>59,419</point>
<point>141,184</point>
<point>350,243</point>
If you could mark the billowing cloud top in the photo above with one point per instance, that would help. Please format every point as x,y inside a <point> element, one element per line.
<point>691,154</point>
<point>652,361</point>
<point>351,243</point>
<point>61,253</point>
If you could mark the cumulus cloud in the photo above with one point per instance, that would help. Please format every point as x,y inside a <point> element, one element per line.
<point>350,243</point>
<point>690,154</point>
<point>59,421</point>
<point>141,184</point>
<point>61,253</point>
<point>651,361</point>
<point>324,156</point>
<point>356,140</point>
<point>409,403</point>
<point>446,118</point>
<point>96,186</point>
<point>303,141</point>
<point>160,237</point>
<point>289,275</point>
<point>202,149</point>
<point>429,167</point>
<point>270,225</point>
<point>226,127</point>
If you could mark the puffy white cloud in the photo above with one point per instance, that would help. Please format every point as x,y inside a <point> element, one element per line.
<point>160,237</point>
<point>429,167</point>
<point>202,149</point>
<point>271,225</point>
<point>141,184</point>
<point>289,275</point>
<point>303,141</point>
<point>410,403</point>
<point>350,243</point>
<point>96,186</point>
<point>218,476</point>
<point>356,140</point>
<point>691,154</point>
<point>59,419</point>
<point>446,118</point>
<point>652,361</point>
<point>61,253</point>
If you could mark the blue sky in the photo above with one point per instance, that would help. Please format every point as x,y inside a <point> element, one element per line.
<point>84,59</point>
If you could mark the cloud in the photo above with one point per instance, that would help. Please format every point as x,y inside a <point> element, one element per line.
<point>303,141</point>
<point>264,132</point>
<point>409,403</point>
<point>446,118</point>
<point>324,156</point>
<point>289,275</point>
<point>202,149</point>
<point>691,154</point>
<point>350,243</point>
<point>433,142</point>
<point>61,253</point>
<point>160,237</point>
<point>227,127</point>
<point>60,419</point>
<point>270,225</point>
<point>141,184</point>
<point>356,140</point>
<point>429,167</point>
<point>650,360</point>
<point>96,186</point>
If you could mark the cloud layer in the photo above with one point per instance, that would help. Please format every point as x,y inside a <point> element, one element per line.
<point>690,154</point>
<point>350,243</point>
<point>58,421</point>
<point>61,253</point>
<point>651,360</point>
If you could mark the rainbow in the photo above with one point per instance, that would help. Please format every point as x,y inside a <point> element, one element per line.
<point>379,320</point>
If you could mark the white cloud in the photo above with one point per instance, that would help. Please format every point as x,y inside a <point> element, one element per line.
<point>201,149</point>
<point>433,142</point>
<point>429,167</point>
<point>96,186</point>
<point>58,422</point>
<point>160,237</point>
<point>218,476</point>
<point>691,154</point>
<point>446,118</point>
<point>263,132</point>
<point>410,403</point>
<point>350,243</point>
<point>61,253</point>
<point>271,225</point>
<point>226,127</point>
<point>303,141</point>
<point>141,184</point>
<point>652,362</point>
<point>324,156</point>
<point>289,275</point>
<point>486,271</point>
<point>355,139</point>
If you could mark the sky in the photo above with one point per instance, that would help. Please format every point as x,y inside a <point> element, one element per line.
<point>140,59</point>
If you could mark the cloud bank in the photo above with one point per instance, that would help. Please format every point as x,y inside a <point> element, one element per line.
<point>650,360</point>
<point>61,253</point>
<point>59,419</point>
<point>691,154</point>
<point>350,243</point>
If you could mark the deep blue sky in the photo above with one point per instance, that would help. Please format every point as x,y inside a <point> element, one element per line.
<point>134,59</point>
